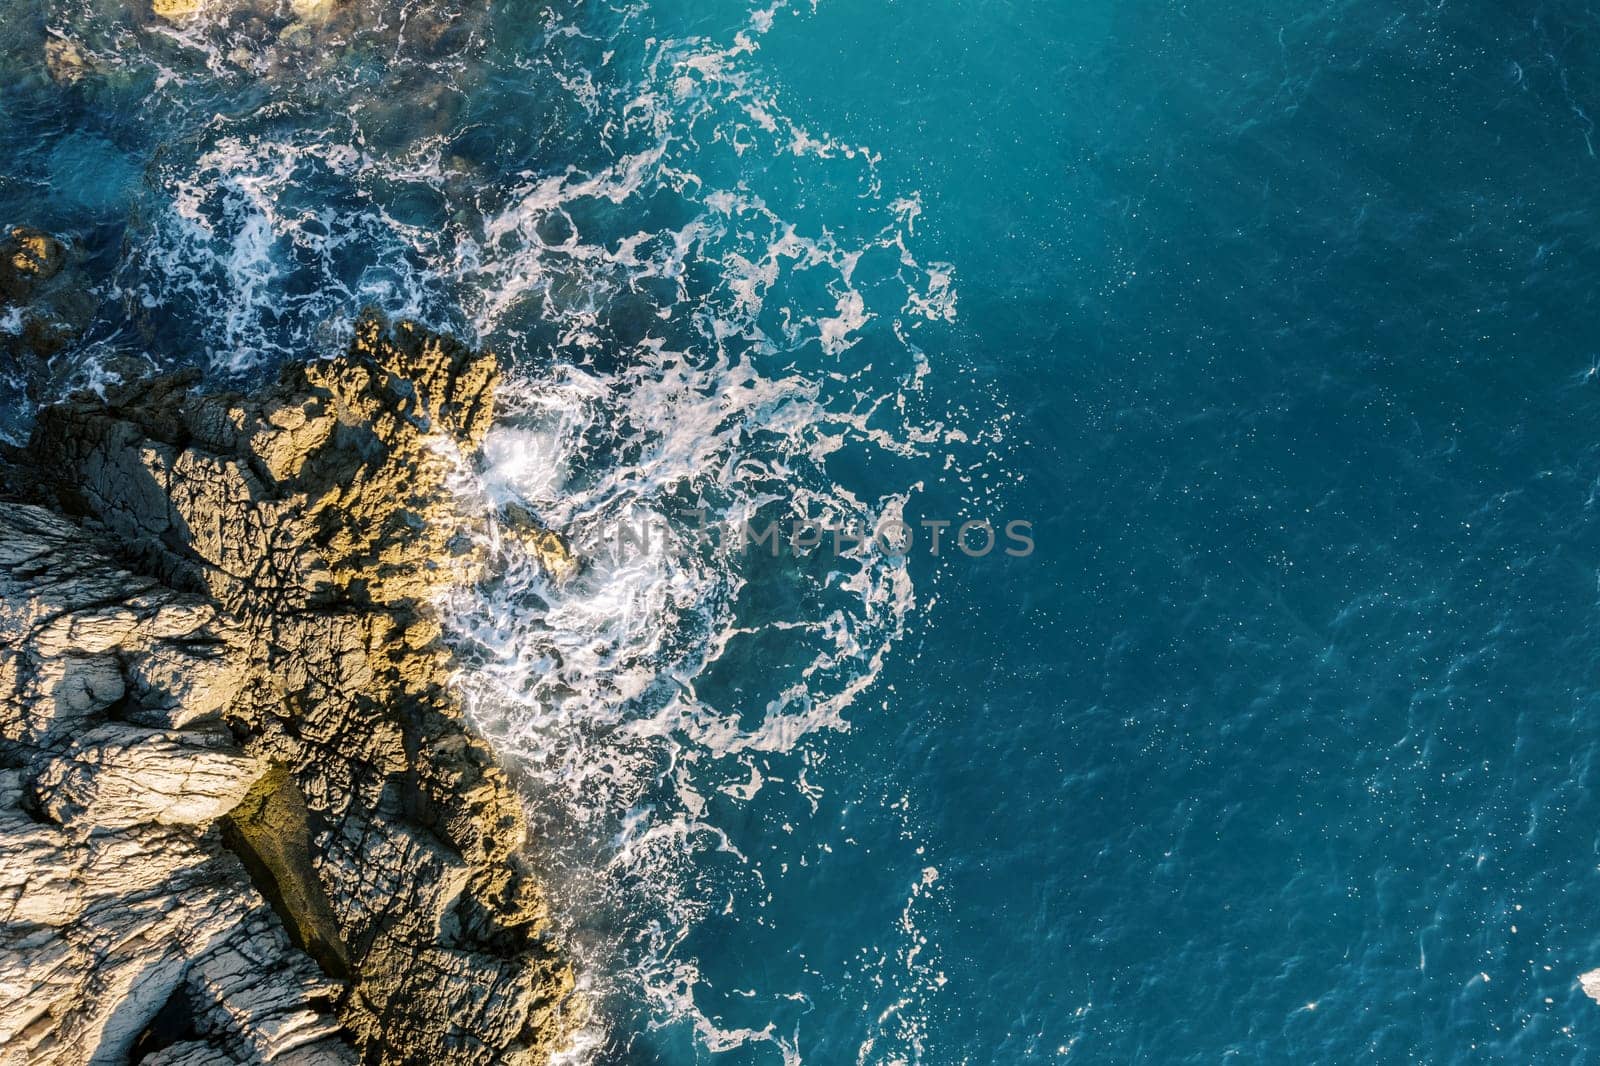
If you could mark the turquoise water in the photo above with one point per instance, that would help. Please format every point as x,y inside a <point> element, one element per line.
<point>1275,321</point>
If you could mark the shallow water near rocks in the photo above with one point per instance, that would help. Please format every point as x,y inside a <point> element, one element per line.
<point>1274,322</point>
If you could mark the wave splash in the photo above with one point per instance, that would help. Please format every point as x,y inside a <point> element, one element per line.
<point>611,691</point>
<point>679,339</point>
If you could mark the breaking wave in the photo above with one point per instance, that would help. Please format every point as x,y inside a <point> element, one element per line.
<point>662,686</point>
<point>612,208</point>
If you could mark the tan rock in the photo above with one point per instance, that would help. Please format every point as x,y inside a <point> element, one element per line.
<point>547,547</point>
<point>27,258</point>
<point>312,10</point>
<point>65,60</point>
<point>175,10</point>
<point>310,526</point>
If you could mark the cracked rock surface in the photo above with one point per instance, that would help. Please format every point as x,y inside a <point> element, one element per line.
<point>241,818</point>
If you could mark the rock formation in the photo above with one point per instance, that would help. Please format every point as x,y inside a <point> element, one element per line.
<point>243,820</point>
<point>1590,983</point>
<point>43,303</point>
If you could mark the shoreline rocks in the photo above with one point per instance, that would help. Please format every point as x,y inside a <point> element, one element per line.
<point>219,657</point>
<point>44,302</point>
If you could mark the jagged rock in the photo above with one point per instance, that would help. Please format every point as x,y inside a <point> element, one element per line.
<point>116,902</point>
<point>265,683</point>
<point>543,544</point>
<point>117,776</point>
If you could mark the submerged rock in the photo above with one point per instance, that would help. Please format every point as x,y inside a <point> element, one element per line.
<point>542,544</point>
<point>28,257</point>
<point>65,60</point>
<point>253,699</point>
<point>44,303</point>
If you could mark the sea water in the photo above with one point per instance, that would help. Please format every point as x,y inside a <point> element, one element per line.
<point>1274,323</point>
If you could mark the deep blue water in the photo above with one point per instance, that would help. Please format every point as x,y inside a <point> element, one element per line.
<point>1275,321</point>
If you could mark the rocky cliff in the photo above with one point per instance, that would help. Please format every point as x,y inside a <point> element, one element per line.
<point>241,819</point>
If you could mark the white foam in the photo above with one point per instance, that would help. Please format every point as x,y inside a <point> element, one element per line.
<point>673,341</point>
<point>598,686</point>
